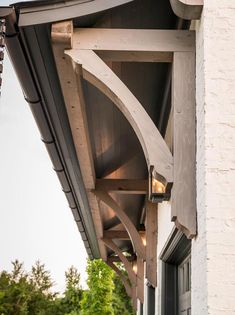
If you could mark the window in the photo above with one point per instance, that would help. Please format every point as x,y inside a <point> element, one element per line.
<point>184,286</point>
<point>176,275</point>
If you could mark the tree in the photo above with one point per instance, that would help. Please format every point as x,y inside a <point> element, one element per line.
<point>41,278</point>
<point>122,304</point>
<point>98,299</point>
<point>70,303</point>
<point>27,294</point>
<point>15,291</point>
<point>23,293</point>
<point>42,300</point>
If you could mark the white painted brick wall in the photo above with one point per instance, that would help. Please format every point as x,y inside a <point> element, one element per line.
<point>213,251</point>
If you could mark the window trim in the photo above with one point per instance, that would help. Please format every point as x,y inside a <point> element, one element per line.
<point>177,248</point>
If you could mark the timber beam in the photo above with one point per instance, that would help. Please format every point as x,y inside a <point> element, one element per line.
<point>123,186</point>
<point>147,45</point>
<point>115,234</point>
<point>117,258</point>
<point>75,106</point>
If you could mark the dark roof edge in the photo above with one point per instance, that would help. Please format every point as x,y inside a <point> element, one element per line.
<point>47,12</point>
<point>20,58</point>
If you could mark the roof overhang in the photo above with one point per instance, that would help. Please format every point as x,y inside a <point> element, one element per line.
<point>29,44</point>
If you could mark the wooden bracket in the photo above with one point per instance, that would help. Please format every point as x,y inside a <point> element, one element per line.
<point>95,71</point>
<point>128,266</point>
<point>123,217</point>
<point>148,45</point>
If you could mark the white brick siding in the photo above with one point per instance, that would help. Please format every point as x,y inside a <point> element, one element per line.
<point>213,251</point>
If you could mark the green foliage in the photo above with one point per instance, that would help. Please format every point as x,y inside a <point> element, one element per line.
<point>41,278</point>
<point>70,303</point>
<point>23,293</point>
<point>98,299</point>
<point>122,304</point>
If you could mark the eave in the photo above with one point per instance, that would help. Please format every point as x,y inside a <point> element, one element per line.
<point>29,44</point>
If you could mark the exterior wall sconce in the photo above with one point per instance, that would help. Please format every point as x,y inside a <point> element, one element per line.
<point>143,237</point>
<point>134,267</point>
<point>159,189</point>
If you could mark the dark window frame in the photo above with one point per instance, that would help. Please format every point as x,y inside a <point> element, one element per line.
<point>177,248</point>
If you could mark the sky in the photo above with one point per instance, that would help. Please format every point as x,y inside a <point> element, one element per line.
<point>35,219</point>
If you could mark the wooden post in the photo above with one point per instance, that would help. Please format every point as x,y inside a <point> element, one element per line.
<point>184,135</point>
<point>151,243</point>
<point>140,279</point>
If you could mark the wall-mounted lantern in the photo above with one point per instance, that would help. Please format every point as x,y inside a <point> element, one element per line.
<point>143,237</point>
<point>134,266</point>
<point>159,189</point>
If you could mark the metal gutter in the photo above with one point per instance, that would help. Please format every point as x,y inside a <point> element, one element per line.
<point>51,120</point>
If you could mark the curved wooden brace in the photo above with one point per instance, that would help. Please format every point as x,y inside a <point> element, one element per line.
<point>187,9</point>
<point>124,279</point>
<point>96,72</point>
<point>128,266</point>
<point>123,217</point>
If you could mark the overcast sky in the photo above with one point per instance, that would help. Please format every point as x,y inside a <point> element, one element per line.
<point>35,220</point>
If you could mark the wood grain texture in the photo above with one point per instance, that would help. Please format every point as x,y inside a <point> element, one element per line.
<point>115,234</point>
<point>135,237</point>
<point>75,106</point>
<point>133,40</point>
<point>187,9</point>
<point>151,226</point>
<point>117,259</point>
<point>140,279</point>
<point>184,115</point>
<point>128,265</point>
<point>135,56</point>
<point>123,186</point>
<point>100,75</point>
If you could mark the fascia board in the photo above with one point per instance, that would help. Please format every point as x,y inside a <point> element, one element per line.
<point>49,13</point>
